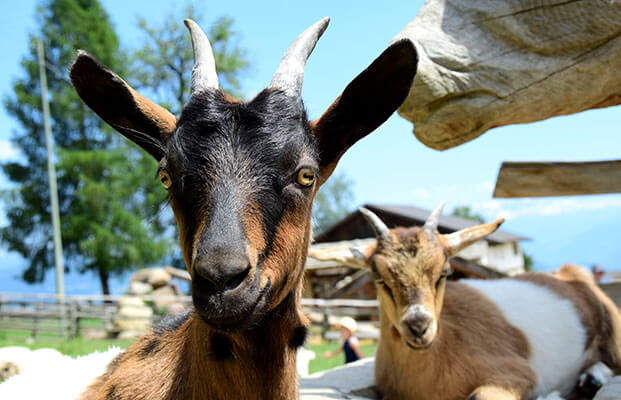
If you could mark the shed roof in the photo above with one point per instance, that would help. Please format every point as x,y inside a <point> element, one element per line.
<point>415,215</point>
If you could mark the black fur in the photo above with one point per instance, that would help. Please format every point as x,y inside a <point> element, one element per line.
<point>150,346</point>
<point>221,348</point>
<point>299,337</point>
<point>171,323</point>
<point>112,394</point>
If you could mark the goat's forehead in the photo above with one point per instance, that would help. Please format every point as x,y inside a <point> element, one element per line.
<point>272,127</point>
<point>413,256</point>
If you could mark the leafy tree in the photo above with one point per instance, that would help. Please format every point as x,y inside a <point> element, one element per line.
<point>164,62</point>
<point>105,189</point>
<point>528,261</point>
<point>332,202</point>
<point>466,212</point>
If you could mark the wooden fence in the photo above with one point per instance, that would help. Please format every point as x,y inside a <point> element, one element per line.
<point>43,313</point>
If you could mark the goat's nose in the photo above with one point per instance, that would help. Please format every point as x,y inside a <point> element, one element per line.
<point>224,272</point>
<point>418,323</point>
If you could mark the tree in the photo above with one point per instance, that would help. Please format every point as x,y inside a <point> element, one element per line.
<point>164,63</point>
<point>105,190</point>
<point>528,261</point>
<point>466,212</point>
<point>332,202</point>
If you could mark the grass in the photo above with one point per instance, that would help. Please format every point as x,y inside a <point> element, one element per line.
<point>320,363</point>
<point>81,346</point>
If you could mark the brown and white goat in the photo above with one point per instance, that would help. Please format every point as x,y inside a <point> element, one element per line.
<point>515,338</point>
<point>241,178</point>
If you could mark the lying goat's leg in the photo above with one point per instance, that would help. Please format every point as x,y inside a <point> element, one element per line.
<point>493,392</point>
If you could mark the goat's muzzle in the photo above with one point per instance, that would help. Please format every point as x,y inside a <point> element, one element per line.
<point>226,292</point>
<point>418,327</point>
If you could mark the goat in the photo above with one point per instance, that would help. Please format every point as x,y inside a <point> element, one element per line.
<point>506,339</point>
<point>241,178</point>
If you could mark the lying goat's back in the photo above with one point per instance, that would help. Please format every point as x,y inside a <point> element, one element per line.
<point>566,321</point>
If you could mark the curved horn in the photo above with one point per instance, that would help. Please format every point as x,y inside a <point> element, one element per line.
<point>461,239</point>
<point>431,225</point>
<point>290,73</point>
<point>379,227</point>
<point>204,75</point>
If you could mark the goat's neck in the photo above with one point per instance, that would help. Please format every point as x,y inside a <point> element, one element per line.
<point>192,361</point>
<point>259,363</point>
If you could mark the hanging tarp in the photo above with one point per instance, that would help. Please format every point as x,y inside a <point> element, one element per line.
<point>489,63</point>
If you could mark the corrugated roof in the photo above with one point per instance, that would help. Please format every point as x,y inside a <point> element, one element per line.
<point>417,215</point>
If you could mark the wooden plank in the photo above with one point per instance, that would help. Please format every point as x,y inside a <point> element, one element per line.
<point>544,179</point>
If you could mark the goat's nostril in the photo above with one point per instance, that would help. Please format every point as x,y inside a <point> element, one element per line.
<point>220,277</point>
<point>418,324</point>
<point>418,330</point>
<point>236,280</point>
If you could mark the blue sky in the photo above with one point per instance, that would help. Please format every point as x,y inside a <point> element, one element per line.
<point>390,166</point>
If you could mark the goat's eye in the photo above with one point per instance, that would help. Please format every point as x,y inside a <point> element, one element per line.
<point>443,276</point>
<point>165,179</point>
<point>306,177</point>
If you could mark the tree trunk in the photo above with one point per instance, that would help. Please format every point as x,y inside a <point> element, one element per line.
<point>103,278</point>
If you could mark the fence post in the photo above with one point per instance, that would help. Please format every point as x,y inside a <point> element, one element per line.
<point>73,319</point>
<point>325,324</point>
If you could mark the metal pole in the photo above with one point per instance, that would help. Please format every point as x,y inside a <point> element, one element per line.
<point>58,247</point>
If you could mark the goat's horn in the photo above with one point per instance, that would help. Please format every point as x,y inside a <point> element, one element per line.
<point>461,239</point>
<point>204,75</point>
<point>290,73</point>
<point>431,225</point>
<point>379,227</point>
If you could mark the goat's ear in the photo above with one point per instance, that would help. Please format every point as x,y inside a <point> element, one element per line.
<point>365,103</point>
<point>136,117</point>
<point>456,241</point>
<point>358,256</point>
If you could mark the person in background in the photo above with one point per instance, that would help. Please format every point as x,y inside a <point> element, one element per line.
<point>598,273</point>
<point>351,345</point>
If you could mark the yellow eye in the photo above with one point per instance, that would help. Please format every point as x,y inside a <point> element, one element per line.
<point>306,177</point>
<point>165,179</point>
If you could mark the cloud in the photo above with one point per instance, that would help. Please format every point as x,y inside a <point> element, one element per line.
<point>513,208</point>
<point>478,197</point>
<point>8,150</point>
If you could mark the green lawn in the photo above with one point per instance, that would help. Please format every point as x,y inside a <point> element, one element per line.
<point>321,363</point>
<point>81,346</point>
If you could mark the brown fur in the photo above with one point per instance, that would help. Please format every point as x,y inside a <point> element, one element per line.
<point>458,361</point>
<point>181,365</point>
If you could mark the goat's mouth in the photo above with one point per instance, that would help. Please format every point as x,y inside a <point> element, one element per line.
<point>231,311</point>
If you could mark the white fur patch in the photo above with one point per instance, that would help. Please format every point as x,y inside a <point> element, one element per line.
<point>66,379</point>
<point>599,371</point>
<point>555,395</point>
<point>550,323</point>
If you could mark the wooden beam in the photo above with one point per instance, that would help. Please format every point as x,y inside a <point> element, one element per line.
<point>358,280</point>
<point>543,179</point>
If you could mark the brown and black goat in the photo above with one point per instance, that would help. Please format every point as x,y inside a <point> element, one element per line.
<point>507,339</point>
<point>241,178</point>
